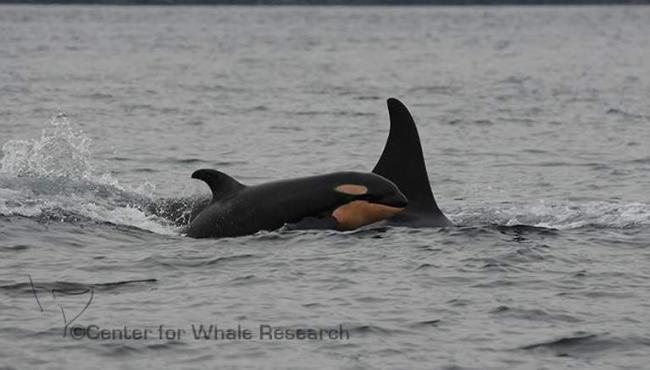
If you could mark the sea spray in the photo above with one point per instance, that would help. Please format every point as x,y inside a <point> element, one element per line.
<point>59,152</point>
<point>55,178</point>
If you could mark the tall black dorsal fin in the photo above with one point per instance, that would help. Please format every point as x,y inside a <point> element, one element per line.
<point>402,162</point>
<point>220,184</point>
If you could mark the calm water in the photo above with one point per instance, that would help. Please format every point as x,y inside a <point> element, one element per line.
<point>535,125</point>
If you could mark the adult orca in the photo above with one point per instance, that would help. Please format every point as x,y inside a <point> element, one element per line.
<point>402,163</point>
<point>347,200</point>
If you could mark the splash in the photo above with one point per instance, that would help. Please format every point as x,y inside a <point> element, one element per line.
<point>60,152</point>
<point>55,177</point>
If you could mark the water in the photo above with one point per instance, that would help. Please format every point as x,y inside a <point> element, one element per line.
<point>535,129</point>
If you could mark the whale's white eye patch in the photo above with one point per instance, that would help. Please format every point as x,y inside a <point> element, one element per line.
<point>352,189</point>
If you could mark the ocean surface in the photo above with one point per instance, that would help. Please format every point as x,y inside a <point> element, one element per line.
<point>535,125</point>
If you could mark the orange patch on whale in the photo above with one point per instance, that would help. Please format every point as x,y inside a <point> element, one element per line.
<point>360,213</point>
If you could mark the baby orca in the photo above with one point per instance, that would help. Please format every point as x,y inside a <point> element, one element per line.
<point>346,200</point>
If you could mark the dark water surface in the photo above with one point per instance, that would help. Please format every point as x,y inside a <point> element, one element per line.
<point>535,126</point>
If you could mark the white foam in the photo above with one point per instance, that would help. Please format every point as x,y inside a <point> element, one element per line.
<point>60,151</point>
<point>55,175</point>
<point>126,216</point>
<point>559,214</point>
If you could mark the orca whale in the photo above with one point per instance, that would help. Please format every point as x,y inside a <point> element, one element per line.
<point>346,200</point>
<point>402,162</point>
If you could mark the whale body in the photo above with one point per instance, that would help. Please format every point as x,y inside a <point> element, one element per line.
<point>341,200</point>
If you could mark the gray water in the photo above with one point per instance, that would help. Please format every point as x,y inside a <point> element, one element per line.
<point>535,129</point>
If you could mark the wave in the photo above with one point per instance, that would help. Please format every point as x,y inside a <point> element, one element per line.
<point>583,344</point>
<point>557,214</point>
<point>29,287</point>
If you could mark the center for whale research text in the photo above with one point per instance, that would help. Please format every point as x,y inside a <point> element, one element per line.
<point>210,332</point>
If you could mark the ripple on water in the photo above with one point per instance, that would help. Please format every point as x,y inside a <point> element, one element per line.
<point>530,315</point>
<point>73,287</point>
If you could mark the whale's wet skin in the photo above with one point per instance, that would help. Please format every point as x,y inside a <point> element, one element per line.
<point>534,125</point>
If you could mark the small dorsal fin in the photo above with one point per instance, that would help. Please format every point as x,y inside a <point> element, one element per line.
<point>220,184</point>
<point>402,162</point>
